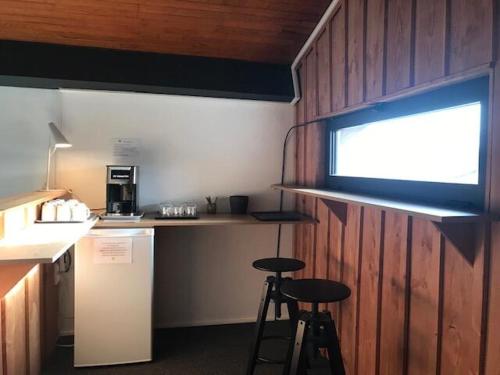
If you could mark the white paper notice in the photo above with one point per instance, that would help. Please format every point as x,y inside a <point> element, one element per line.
<point>126,149</point>
<point>113,250</point>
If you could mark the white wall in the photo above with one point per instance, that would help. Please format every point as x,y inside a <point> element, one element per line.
<point>24,137</point>
<point>190,147</point>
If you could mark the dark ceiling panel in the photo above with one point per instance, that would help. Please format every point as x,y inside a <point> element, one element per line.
<point>28,64</point>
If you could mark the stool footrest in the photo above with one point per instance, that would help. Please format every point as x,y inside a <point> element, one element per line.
<point>285,338</point>
<point>269,361</point>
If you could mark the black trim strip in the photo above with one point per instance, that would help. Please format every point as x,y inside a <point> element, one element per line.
<point>40,65</point>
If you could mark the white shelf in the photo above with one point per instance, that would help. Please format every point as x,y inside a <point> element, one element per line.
<point>42,243</point>
<point>432,213</point>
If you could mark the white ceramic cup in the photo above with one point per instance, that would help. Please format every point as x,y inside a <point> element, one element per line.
<point>63,212</point>
<point>72,202</point>
<point>80,212</point>
<point>49,211</point>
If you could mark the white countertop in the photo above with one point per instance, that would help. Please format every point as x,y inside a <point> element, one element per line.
<point>42,243</point>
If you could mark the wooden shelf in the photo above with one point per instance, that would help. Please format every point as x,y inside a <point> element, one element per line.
<point>42,243</point>
<point>205,220</point>
<point>435,214</point>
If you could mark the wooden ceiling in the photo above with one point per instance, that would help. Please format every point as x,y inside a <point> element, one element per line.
<point>254,30</point>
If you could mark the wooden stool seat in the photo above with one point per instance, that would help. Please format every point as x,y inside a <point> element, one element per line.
<point>315,290</point>
<point>278,265</point>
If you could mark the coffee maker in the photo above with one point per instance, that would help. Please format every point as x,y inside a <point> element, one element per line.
<point>121,192</point>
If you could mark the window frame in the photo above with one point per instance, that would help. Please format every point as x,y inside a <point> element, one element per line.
<point>453,195</point>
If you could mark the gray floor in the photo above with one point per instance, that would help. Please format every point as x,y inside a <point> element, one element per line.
<point>215,350</point>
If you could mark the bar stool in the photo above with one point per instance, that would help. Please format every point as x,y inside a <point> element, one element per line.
<point>315,330</point>
<point>271,292</point>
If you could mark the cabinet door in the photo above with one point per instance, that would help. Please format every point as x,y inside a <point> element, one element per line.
<point>14,308</point>
<point>324,70</point>
<point>311,85</point>
<point>471,34</point>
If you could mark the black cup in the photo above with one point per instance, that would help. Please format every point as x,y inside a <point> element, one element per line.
<point>239,204</point>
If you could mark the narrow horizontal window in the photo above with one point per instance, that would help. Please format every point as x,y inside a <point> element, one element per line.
<point>428,148</point>
<point>436,146</point>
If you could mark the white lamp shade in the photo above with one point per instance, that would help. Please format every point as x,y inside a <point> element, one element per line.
<point>60,140</point>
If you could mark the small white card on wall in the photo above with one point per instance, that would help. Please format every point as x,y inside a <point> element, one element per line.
<point>113,250</point>
<point>126,149</point>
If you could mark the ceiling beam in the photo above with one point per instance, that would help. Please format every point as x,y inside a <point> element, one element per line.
<point>40,65</point>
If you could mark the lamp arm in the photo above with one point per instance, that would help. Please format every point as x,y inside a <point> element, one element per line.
<point>52,149</point>
<point>283,168</point>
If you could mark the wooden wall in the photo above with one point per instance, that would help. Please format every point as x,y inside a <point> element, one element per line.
<point>418,305</point>
<point>28,294</point>
<point>20,333</point>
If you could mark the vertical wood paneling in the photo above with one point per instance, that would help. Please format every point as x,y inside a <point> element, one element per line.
<point>2,337</point>
<point>350,277</point>
<point>394,289</point>
<point>315,155</point>
<point>493,328</point>
<point>33,305</point>
<point>355,48</point>
<point>375,29</point>
<point>335,260</point>
<point>371,253</point>
<point>471,32</point>
<point>494,131</point>
<point>299,251</point>
<point>399,48</point>
<point>50,308</point>
<point>417,305</point>
<point>425,285</point>
<point>322,243</point>
<point>339,68</point>
<point>15,330</point>
<point>309,239</point>
<point>462,310</point>
<point>312,173</point>
<point>430,40</point>
<point>311,108</point>
<point>324,55</point>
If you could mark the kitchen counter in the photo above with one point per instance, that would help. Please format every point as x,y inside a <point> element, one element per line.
<point>42,243</point>
<point>149,221</point>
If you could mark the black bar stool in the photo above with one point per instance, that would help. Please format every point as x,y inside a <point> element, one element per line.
<point>315,330</point>
<point>271,292</point>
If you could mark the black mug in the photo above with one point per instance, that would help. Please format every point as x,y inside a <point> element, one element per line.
<point>239,204</point>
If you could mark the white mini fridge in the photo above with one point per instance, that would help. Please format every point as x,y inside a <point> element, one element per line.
<point>114,297</point>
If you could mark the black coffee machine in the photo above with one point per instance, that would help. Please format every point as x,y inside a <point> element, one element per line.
<point>121,192</point>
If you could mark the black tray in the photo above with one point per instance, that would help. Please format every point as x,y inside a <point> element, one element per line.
<point>277,216</point>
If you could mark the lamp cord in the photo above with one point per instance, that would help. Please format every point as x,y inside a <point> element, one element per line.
<point>283,167</point>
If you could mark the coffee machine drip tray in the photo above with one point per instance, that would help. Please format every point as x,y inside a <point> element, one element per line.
<point>122,217</point>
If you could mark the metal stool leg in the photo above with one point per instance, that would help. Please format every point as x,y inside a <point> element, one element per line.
<point>334,353</point>
<point>293,313</point>
<point>297,361</point>
<point>259,327</point>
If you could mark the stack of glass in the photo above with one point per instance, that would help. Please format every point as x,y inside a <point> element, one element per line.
<point>186,209</point>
